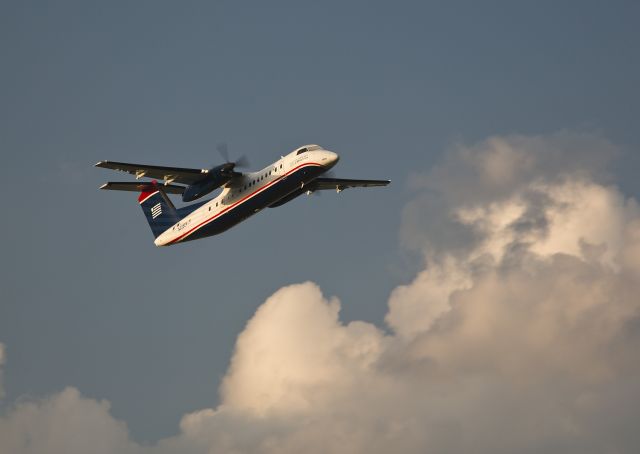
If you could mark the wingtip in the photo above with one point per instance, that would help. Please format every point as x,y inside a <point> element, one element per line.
<point>104,186</point>
<point>97,164</point>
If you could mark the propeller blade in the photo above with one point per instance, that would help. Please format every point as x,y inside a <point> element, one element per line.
<point>242,161</point>
<point>223,149</point>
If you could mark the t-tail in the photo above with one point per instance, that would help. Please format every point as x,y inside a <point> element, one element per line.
<point>161,214</point>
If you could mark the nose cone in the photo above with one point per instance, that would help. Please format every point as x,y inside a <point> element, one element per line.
<point>330,159</point>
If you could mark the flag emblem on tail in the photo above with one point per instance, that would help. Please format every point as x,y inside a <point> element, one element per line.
<point>156,210</point>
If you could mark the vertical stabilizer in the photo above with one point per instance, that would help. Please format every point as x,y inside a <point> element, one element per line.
<point>161,214</point>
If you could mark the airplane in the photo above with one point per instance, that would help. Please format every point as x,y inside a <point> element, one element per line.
<point>243,194</point>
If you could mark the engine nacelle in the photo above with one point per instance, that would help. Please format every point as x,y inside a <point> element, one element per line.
<point>216,177</point>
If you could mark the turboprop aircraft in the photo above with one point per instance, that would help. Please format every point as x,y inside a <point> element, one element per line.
<point>243,194</point>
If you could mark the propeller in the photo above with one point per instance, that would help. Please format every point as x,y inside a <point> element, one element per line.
<point>241,162</point>
<point>218,175</point>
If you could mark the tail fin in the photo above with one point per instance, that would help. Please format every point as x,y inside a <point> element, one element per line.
<point>158,209</point>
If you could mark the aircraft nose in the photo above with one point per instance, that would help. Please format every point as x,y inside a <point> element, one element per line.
<point>331,159</point>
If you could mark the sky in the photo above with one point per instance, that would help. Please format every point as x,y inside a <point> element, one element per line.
<point>496,271</point>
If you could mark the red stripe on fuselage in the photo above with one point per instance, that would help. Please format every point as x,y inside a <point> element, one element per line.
<point>206,221</point>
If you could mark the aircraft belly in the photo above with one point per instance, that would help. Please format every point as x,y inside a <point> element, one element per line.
<point>261,200</point>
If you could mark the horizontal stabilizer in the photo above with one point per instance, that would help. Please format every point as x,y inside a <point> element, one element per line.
<point>141,186</point>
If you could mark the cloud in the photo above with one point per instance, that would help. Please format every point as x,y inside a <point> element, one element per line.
<point>270,373</point>
<point>493,171</point>
<point>520,333</point>
<point>63,423</point>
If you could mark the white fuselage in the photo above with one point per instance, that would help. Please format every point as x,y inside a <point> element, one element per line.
<point>248,194</point>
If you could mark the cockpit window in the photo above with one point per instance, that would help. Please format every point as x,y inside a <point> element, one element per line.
<point>310,147</point>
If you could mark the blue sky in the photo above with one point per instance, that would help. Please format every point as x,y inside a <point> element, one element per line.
<point>89,301</point>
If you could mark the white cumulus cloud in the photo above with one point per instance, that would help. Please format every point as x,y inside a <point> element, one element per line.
<point>520,334</point>
<point>65,423</point>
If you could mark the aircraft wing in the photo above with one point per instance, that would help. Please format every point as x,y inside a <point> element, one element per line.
<point>142,186</point>
<point>168,174</point>
<point>340,184</point>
